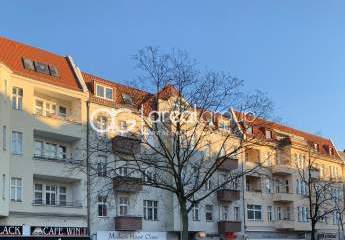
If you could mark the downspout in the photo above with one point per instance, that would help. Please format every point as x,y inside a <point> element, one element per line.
<point>88,184</point>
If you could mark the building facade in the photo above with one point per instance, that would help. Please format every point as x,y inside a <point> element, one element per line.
<point>43,116</point>
<point>46,103</point>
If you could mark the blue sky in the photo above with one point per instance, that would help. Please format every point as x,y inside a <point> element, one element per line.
<point>293,50</point>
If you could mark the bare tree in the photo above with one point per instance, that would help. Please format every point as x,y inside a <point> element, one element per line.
<point>185,133</point>
<point>319,190</point>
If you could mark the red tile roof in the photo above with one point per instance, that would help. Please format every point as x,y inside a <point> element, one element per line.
<point>260,125</point>
<point>11,54</point>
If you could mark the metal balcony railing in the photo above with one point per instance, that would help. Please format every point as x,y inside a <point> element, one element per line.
<point>40,202</point>
<point>56,159</point>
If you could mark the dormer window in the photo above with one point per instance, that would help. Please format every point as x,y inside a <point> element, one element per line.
<point>316,147</point>
<point>249,130</point>
<point>268,134</point>
<point>40,67</point>
<point>331,152</point>
<point>127,99</point>
<point>104,92</point>
<point>28,64</point>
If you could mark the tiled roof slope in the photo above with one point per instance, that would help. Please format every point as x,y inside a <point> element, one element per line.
<point>261,125</point>
<point>12,53</point>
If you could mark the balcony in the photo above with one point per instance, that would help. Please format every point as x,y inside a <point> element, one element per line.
<point>229,164</point>
<point>282,169</point>
<point>283,197</point>
<point>127,184</point>
<point>56,159</point>
<point>126,145</point>
<point>128,223</point>
<point>76,204</point>
<point>229,226</point>
<point>284,224</point>
<point>228,195</point>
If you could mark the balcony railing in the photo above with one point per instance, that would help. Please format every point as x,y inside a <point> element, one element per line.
<point>41,203</point>
<point>282,169</point>
<point>65,118</point>
<point>128,223</point>
<point>127,184</point>
<point>56,159</point>
<point>229,164</point>
<point>126,145</point>
<point>285,224</point>
<point>228,195</point>
<point>229,226</point>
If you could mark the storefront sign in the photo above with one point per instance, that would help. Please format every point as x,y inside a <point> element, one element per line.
<point>116,235</point>
<point>59,231</point>
<point>11,230</point>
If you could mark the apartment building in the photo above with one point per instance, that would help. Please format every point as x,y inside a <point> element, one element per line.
<point>275,201</point>
<point>42,119</point>
<point>45,104</point>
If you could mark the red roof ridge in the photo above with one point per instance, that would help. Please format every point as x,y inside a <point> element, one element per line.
<point>114,83</point>
<point>30,46</point>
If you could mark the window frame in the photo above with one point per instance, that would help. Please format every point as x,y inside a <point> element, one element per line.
<point>150,208</point>
<point>105,89</point>
<point>17,143</point>
<point>16,189</point>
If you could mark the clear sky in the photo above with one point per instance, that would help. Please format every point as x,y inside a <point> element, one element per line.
<point>294,50</point>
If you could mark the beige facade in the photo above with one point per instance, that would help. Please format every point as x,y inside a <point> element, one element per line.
<point>43,136</point>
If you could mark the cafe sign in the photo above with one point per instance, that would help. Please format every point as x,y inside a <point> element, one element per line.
<point>59,231</point>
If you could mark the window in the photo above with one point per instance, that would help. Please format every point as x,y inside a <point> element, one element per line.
<point>225,212</point>
<point>254,212</point>
<point>38,194</point>
<point>17,143</point>
<point>39,107</point>
<point>51,194</point>
<point>62,111</point>
<point>316,147</point>
<point>123,170</point>
<point>42,68</point>
<point>209,212</point>
<point>50,109</point>
<point>101,122</point>
<point>127,99</point>
<point>53,71</point>
<point>28,64</point>
<point>237,213</point>
<point>104,92</point>
<point>61,152</point>
<point>268,134</point>
<point>38,148</point>
<point>16,189</point>
<point>62,196</point>
<point>102,166</point>
<point>102,206</point>
<point>249,130</point>
<point>50,150</point>
<point>4,138</point>
<point>279,213</point>
<point>302,213</point>
<point>208,184</point>
<point>17,98</point>
<point>150,210</point>
<point>123,206</point>
<point>269,214</point>
<point>196,212</point>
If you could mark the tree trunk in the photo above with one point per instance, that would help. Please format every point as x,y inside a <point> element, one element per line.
<point>184,219</point>
<point>313,231</point>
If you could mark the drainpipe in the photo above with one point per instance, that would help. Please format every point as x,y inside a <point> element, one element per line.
<point>88,184</point>
<point>244,228</point>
